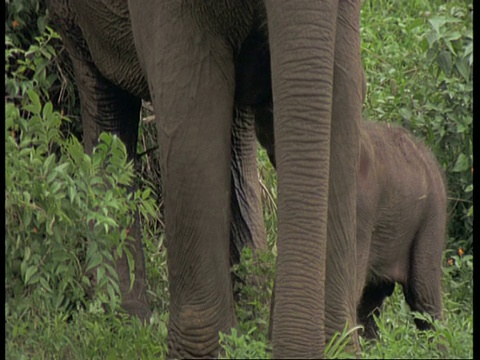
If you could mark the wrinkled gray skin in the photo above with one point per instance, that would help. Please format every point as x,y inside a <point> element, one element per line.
<point>209,68</point>
<point>401,220</point>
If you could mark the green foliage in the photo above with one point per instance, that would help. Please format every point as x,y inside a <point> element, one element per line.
<point>458,277</point>
<point>253,291</point>
<point>235,346</point>
<point>35,56</point>
<point>25,20</point>
<point>451,337</point>
<point>27,69</point>
<point>156,263</point>
<point>337,348</point>
<point>65,212</point>
<point>268,181</point>
<point>87,334</point>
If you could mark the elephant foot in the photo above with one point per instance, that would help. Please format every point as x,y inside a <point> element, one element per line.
<point>139,309</point>
<point>193,332</point>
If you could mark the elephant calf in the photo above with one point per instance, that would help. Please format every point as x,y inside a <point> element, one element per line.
<point>401,218</point>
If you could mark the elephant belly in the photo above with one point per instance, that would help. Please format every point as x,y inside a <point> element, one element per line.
<point>401,212</point>
<point>252,70</point>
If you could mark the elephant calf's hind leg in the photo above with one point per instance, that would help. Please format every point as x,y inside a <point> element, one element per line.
<point>423,289</point>
<point>370,305</point>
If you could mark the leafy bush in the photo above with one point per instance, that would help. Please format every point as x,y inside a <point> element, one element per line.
<point>35,53</point>
<point>253,290</point>
<point>458,277</point>
<point>65,211</point>
<point>86,334</point>
<point>27,69</point>
<point>25,20</point>
<point>451,337</point>
<point>235,346</point>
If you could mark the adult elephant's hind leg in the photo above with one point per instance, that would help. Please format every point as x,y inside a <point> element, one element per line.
<point>106,107</point>
<point>191,81</point>
<point>248,227</point>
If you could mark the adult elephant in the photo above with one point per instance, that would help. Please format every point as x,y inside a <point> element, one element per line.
<point>201,62</point>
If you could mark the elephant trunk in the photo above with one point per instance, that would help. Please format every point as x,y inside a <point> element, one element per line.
<point>302,45</point>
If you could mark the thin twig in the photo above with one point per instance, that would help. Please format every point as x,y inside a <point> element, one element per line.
<point>460,200</point>
<point>270,197</point>
<point>148,119</point>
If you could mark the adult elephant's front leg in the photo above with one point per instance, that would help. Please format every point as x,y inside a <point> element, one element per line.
<point>195,144</point>
<point>192,86</point>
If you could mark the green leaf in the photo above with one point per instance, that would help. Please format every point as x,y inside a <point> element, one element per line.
<point>85,281</point>
<point>26,217</point>
<point>95,259</point>
<point>51,176</point>
<point>61,168</point>
<point>470,211</point>
<point>47,110</point>
<point>444,60</point>
<point>436,23</point>
<point>462,163</point>
<point>11,114</point>
<point>463,68</point>
<point>49,161</point>
<point>452,36</point>
<point>449,45</point>
<point>49,226</point>
<point>35,107</point>
<point>45,285</point>
<point>100,274</point>
<point>55,187</point>
<point>72,192</point>
<point>31,271</point>
<point>96,180</point>
<point>406,113</point>
<point>432,38</point>
<point>146,194</point>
